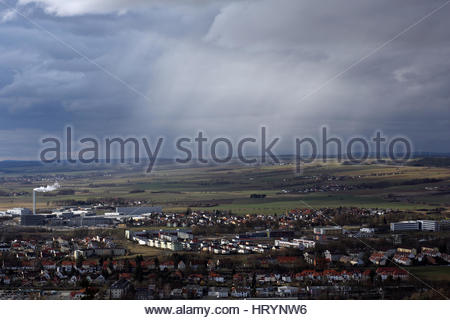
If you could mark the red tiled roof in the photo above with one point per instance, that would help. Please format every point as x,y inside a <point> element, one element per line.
<point>48,263</point>
<point>391,271</point>
<point>91,263</point>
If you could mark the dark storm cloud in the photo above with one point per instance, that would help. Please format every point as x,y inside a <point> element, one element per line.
<point>223,67</point>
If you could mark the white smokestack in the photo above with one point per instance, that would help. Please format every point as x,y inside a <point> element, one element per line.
<point>48,188</point>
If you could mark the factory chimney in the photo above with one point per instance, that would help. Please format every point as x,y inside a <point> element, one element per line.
<point>48,188</point>
<point>34,201</point>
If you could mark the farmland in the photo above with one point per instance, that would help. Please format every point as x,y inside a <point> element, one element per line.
<point>230,187</point>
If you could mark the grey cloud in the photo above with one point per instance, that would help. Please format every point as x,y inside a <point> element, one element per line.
<point>228,68</point>
<point>80,7</point>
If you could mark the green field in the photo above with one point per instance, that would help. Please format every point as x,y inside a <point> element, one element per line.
<point>229,187</point>
<point>431,273</point>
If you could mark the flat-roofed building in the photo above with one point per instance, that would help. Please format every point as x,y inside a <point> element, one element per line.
<point>328,230</point>
<point>305,243</point>
<point>32,220</point>
<point>288,244</point>
<point>429,225</point>
<point>405,226</point>
<point>19,211</point>
<point>90,221</point>
<point>444,225</point>
<point>137,211</point>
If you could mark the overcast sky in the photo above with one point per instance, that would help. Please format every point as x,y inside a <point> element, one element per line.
<point>171,68</point>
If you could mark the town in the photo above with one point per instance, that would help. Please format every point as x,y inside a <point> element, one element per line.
<point>144,252</point>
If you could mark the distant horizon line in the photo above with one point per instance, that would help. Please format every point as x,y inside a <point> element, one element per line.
<point>284,156</point>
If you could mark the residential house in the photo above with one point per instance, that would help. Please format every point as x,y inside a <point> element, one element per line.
<point>395,273</point>
<point>378,258</point>
<point>167,266</point>
<point>240,292</point>
<point>148,265</point>
<point>432,252</point>
<point>218,292</point>
<point>48,265</point>
<point>181,265</point>
<point>286,291</point>
<point>216,277</point>
<point>67,266</point>
<point>119,289</point>
<point>402,259</point>
<point>77,295</point>
<point>89,266</point>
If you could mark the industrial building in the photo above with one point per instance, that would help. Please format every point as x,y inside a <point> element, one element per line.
<point>331,230</point>
<point>429,225</point>
<point>19,211</point>
<point>33,220</point>
<point>90,221</point>
<point>444,225</point>
<point>134,211</point>
<point>418,225</point>
<point>405,226</point>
